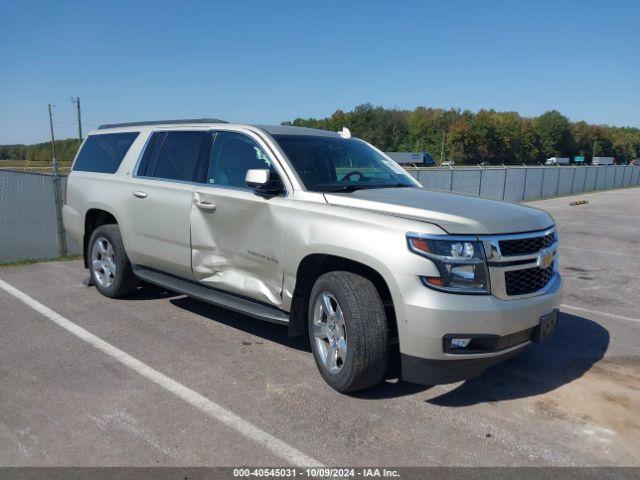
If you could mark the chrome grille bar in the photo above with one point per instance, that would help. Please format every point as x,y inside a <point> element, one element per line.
<point>499,264</point>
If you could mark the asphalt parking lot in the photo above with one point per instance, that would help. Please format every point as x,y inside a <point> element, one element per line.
<point>217,388</point>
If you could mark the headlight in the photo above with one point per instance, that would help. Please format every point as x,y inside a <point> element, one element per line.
<point>460,261</point>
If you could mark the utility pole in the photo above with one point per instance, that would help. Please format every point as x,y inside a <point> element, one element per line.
<point>62,240</point>
<point>442,149</point>
<point>594,150</point>
<point>53,145</point>
<point>77,102</point>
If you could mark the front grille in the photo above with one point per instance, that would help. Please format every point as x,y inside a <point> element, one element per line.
<point>528,280</point>
<point>525,246</point>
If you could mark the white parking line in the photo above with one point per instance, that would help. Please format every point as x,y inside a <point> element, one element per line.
<point>212,409</point>
<point>604,314</point>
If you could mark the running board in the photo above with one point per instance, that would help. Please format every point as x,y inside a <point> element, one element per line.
<point>214,297</point>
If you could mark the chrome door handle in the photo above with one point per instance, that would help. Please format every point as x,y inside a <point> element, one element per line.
<point>140,194</point>
<point>210,207</point>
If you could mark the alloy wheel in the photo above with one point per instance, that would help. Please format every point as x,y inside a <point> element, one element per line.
<point>103,262</point>
<point>330,332</point>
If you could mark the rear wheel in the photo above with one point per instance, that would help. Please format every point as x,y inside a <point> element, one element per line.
<point>109,265</point>
<point>348,331</point>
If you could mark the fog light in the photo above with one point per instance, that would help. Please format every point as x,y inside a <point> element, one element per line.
<point>460,342</point>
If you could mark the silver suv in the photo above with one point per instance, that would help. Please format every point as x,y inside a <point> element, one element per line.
<point>322,233</point>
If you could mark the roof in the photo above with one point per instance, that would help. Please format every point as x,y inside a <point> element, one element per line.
<point>160,122</point>
<point>291,130</point>
<point>271,129</point>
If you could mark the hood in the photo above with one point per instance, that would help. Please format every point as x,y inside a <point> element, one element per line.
<point>455,213</point>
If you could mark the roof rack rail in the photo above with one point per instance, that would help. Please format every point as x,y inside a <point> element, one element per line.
<point>162,122</point>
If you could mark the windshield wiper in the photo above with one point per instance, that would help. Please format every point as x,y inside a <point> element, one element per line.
<point>394,185</point>
<point>344,188</point>
<point>354,187</point>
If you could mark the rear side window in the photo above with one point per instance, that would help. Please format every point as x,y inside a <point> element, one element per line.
<point>104,153</point>
<point>183,156</point>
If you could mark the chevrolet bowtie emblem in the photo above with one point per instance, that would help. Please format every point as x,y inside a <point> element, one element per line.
<point>545,259</point>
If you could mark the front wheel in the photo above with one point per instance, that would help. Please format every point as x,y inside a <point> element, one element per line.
<point>348,331</point>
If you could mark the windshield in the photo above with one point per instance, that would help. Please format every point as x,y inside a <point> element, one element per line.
<point>326,164</point>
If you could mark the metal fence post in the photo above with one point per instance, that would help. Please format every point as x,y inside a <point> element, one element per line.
<point>504,185</point>
<point>480,184</point>
<point>573,179</point>
<point>524,187</point>
<point>57,198</point>
<point>558,182</point>
<point>584,182</point>
<point>544,169</point>
<point>451,179</point>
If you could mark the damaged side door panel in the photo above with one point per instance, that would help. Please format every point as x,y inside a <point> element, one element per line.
<point>238,245</point>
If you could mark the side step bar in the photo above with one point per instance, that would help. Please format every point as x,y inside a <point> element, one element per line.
<point>214,297</point>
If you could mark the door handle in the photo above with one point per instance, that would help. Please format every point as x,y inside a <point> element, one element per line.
<point>140,194</point>
<point>209,207</point>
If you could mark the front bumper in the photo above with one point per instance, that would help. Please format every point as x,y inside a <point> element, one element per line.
<point>434,372</point>
<point>426,317</point>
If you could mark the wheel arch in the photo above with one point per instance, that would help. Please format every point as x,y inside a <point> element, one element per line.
<point>94,218</point>
<point>313,266</point>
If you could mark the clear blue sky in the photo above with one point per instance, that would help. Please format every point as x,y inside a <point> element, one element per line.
<point>269,61</point>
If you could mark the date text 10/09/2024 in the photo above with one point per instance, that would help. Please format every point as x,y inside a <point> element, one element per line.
<point>317,472</point>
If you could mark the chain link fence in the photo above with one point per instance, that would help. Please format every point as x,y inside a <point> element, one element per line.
<point>517,184</point>
<point>30,217</point>
<point>31,203</point>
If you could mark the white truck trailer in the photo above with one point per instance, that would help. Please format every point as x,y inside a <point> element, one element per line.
<point>603,161</point>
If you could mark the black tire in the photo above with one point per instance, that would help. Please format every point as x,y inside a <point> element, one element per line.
<point>124,281</point>
<point>366,331</point>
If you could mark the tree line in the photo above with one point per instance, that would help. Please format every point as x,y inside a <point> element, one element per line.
<point>459,135</point>
<point>486,136</point>
<point>65,151</point>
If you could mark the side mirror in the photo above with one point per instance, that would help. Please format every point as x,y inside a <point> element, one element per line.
<point>264,182</point>
<point>257,177</point>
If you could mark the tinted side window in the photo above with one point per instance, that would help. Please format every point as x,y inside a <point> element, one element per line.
<point>181,156</point>
<point>233,154</point>
<point>104,153</point>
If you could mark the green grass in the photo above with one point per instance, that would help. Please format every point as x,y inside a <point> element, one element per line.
<point>18,263</point>
<point>34,166</point>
